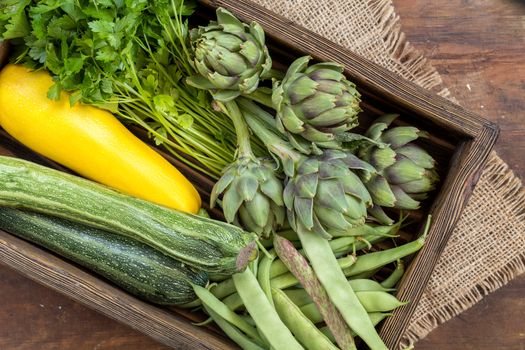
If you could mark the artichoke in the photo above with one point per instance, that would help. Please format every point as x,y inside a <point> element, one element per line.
<point>405,172</point>
<point>316,103</point>
<point>252,195</point>
<point>229,56</point>
<point>325,195</point>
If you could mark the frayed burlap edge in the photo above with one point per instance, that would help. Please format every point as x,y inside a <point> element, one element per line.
<point>498,173</point>
<point>416,67</point>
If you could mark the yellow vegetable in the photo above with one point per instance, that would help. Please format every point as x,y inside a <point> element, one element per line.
<point>88,140</point>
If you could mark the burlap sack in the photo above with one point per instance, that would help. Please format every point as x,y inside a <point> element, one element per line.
<point>487,248</point>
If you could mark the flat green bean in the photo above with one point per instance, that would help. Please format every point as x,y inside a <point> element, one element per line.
<point>223,289</point>
<point>379,301</point>
<point>233,332</point>
<point>375,317</point>
<point>344,262</point>
<point>262,312</point>
<point>395,276</point>
<point>284,281</point>
<point>367,230</point>
<point>221,309</point>
<point>359,243</point>
<point>299,267</point>
<point>303,329</point>
<point>372,302</point>
<point>366,285</point>
<point>372,261</point>
<point>365,274</point>
<point>300,297</point>
<point>233,301</point>
<point>340,246</point>
<point>263,275</point>
<point>341,294</point>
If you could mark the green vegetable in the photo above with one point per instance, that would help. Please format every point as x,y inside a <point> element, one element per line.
<point>218,307</point>
<point>375,317</point>
<point>262,312</point>
<point>372,301</point>
<point>325,195</point>
<point>130,57</point>
<point>134,266</point>
<point>300,296</point>
<point>287,280</point>
<point>321,193</point>
<point>298,265</point>
<point>395,276</point>
<point>252,193</point>
<point>316,102</point>
<point>230,57</point>
<point>375,260</point>
<point>405,172</point>
<point>341,294</point>
<point>199,242</point>
<point>303,329</point>
<point>233,332</point>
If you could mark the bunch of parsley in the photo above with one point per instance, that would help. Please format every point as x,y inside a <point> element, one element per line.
<point>130,57</point>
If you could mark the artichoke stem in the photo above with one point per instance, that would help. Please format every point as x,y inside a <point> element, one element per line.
<point>269,120</point>
<point>241,129</point>
<point>261,97</point>
<point>274,143</point>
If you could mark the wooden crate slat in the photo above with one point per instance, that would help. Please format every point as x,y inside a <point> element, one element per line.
<point>460,139</point>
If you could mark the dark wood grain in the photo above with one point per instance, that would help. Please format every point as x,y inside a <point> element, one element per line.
<point>138,344</point>
<point>478,47</point>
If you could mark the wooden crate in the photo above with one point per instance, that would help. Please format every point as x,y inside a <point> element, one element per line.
<point>460,141</point>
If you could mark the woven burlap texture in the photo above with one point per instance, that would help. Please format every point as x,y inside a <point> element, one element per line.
<point>487,248</point>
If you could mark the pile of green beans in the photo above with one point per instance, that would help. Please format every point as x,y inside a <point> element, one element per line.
<point>270,306</point>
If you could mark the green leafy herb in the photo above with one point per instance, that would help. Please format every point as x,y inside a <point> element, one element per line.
<point>127,56</point>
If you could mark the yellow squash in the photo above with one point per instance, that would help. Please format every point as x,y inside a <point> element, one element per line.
<point>88,140</point>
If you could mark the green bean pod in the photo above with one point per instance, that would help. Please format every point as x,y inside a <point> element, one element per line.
<point>211,302</point>
<point>299,267</point>
<point>263,275</point>
<point>303,329</point>
<point>365,275</point>
<point>395,276</point>
<point>375,317</point>
<point>287,280</point>
<point>300,297</point>
<point>262,312</point>
<point>376,301</point>
<point>367,230</point>
<point>232,332</point>
<point>341,294</point>
<point>375,260</point>
<point>372,302</point>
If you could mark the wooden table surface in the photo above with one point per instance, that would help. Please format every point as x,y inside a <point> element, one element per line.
<point>479,48</point>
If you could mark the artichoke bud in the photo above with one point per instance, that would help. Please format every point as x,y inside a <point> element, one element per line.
<point>252,195</point>
<point>405,172</point>
<point>317,103</point>
<point>229,56</point>
<point>325,195</point>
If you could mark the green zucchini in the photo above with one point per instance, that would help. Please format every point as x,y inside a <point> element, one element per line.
<point>133,266</point>
<point>203,243</point>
